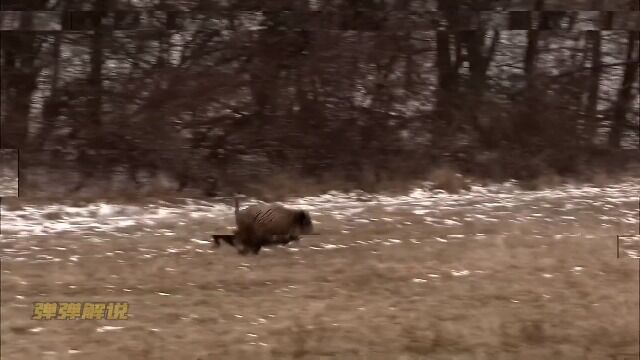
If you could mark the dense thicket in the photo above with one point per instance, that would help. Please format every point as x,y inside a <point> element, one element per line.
<point>222,94</point>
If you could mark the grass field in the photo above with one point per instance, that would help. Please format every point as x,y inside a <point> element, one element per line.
<point>500,274</point>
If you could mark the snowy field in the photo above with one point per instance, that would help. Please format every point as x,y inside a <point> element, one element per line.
<point>492,273</point>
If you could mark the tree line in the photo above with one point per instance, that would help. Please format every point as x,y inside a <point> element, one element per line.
<point>221,94</point>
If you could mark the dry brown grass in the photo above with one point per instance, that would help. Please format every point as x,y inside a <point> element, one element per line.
<point>521,298</point>
<point>447,179</point>
<point>547,180</point>
<point>284,184</point>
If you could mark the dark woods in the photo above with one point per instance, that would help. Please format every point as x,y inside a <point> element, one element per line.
<point>225,96</point>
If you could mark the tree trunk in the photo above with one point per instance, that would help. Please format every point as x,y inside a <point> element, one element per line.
<point>531,54</point>
<point>18,84</point>
<point>594,86</point>
<point>595,40</point>
<point>624,99</point>
<point>479,57</point>
<point>53,104</point>
<point>95,76</point>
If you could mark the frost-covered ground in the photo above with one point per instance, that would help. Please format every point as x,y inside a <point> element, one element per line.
<point>495,272</point>
<point>481,205</point>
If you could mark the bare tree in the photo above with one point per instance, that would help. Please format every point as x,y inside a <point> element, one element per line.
<point>621,105</point>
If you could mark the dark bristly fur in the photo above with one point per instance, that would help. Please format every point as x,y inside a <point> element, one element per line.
<point>269,224</point>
